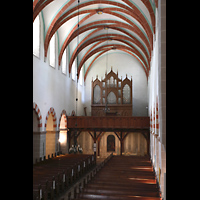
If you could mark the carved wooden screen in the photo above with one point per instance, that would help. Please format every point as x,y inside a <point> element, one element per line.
<point>113,93</point>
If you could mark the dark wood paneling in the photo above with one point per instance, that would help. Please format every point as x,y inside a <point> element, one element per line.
<point>108,122</point>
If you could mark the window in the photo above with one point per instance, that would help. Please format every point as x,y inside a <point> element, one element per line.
<point>73,70</point>
<point>64,63</point>
<point>52,47</point>
<point>81,77</point>
<point>36,37</point>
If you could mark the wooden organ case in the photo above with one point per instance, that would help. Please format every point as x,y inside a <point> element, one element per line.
<point>112,96</point>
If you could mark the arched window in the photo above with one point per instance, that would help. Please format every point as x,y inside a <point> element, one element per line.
<point>81,77</point>
<point>36,37</point>
<point>111,99</point>
<point>64,62</point>
<point>110,143</point>
<point>52,54</point>
<point>126,94</point>
<point>73,70</point>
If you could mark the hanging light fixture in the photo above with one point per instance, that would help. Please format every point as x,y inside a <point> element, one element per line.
<point>99,12</point>
<point>76,68</point>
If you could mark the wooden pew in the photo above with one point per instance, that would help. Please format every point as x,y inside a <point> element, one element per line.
<point>61,172</point>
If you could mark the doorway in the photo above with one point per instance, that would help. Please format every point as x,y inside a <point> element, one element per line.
<point>63,135</point>
<point>111,143</point>
<point>50,137</point>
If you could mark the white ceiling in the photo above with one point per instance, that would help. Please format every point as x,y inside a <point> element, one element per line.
<point>131,26</point>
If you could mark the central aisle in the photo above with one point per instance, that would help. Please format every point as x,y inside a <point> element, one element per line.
<point>123,178</point>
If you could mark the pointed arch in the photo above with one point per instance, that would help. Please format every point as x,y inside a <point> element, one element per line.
<point>115,37</point>
<point>134,19</point>
<point>61,18</point>
<point>110,47</point>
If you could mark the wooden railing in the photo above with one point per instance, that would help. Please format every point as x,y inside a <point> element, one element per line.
<point>108,122</point>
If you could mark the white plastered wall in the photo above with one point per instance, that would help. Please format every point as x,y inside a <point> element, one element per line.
<point>52,88</point>
<point>123,63</point>
<point>157,93</point>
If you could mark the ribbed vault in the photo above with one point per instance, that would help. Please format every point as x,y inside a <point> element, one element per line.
<point>104,25</point>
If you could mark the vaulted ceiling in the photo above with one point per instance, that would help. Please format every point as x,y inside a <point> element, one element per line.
<point>92,28</point>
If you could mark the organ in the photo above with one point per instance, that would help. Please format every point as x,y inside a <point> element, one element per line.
<point>111,96</point>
